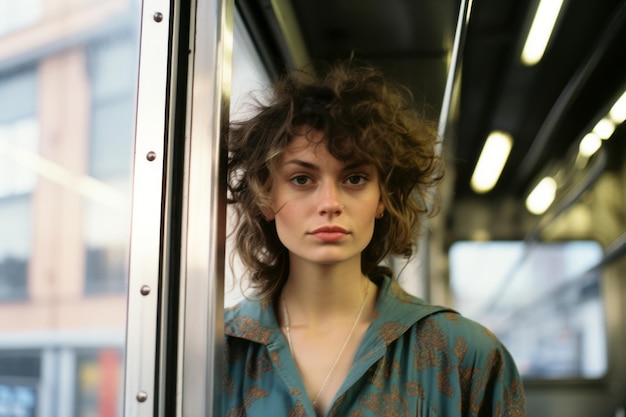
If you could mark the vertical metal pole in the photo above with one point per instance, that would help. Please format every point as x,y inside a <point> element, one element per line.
<point>437,289</point>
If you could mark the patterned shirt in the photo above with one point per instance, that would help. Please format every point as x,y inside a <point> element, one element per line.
<point>414,360</point>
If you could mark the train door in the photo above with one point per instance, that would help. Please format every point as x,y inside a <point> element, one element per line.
<point>199,61</point>
<point>97,181</point>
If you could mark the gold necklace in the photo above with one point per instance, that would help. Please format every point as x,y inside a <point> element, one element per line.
<point>332,368</point>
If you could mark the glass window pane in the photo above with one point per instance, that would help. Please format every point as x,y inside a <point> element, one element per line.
<point>543,301</point>
<point>249,78</point>
<point>19,140</point>
<point>67,115</point>
<point>19,386</point>
<point>18,95</point>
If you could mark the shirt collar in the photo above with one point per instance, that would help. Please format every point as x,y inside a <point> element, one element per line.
<point>396,311</point>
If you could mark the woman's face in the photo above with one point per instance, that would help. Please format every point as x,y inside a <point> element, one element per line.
<point>325,209</point>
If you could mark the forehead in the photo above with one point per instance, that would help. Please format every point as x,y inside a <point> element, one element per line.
<point>313,146</point>
<point>312,152</point>
<point>311,143</point>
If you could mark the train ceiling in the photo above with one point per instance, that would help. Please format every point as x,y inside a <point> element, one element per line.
<point>546,108</point>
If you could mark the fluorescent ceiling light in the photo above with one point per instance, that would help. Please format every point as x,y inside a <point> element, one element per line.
<point>604,128</point>
<point>542,196</point>
<point>618,111</point>
<point>491,161</point>
<point>540,31</point>
<point>589,145</point>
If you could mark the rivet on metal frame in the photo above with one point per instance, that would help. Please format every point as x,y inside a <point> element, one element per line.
<point>158,17</point>
<point>142,396</point>
<point>145,290</point>
<point>151,156</point>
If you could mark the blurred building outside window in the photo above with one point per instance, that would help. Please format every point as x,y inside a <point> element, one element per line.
<point>68,76</point>
<point>15,15</point>
<point>19,140</point>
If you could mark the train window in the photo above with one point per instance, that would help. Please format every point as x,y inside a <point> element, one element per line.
<point>542,300</point>
<point>110,151</point>
<point>18,137</point>
<point>249,76</point>
<point>68,81</point>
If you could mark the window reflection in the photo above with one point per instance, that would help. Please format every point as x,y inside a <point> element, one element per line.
<point>249,80</point>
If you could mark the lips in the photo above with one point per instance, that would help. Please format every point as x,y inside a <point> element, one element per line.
<point>329,233</point>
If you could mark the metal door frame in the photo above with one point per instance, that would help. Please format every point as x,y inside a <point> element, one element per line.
<point>176,279</point>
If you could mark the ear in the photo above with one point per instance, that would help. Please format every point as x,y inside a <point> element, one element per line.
<point>380,209</point>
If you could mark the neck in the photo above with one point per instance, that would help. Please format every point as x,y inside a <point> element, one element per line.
<point>325,295</point>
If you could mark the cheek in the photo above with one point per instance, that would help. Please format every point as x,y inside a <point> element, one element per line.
<point>368,221</point>
<point>280,197</point>
<point>288,214</point>
<point>287,226</point>
<point>284,207</point>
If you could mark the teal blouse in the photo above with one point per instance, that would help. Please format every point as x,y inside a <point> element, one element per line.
<point>414,360</point>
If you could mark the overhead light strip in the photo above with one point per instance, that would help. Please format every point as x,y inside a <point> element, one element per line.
<point>604,128</point>
<point>540,31</point>
<point>491,161</point>
<point>542,196</point>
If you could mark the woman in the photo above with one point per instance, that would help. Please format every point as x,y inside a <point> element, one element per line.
<point>328,178</point>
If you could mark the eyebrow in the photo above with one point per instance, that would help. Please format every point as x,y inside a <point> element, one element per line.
<point>308,165</point>
<point>301,163</point>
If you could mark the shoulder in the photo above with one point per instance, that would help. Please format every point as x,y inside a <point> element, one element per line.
<point>433,322</point>
<point>232,313</point>
<point>235,310</point>
<point>247,307</point>
<point>465,342</point>
<point>396,305</point>
<point>474,370</point>
<point>456,326</point>
<point>487,374</point>
<point>252,320</point>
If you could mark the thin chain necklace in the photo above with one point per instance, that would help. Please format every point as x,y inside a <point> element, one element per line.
<point>332,368</point>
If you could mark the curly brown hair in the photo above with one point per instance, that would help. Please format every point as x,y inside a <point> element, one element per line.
<point>364,117</point>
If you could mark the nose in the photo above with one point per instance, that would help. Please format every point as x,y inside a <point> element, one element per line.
<point>330,199</point>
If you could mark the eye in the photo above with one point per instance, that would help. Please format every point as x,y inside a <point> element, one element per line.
<point>300,180</point>
<point>356,179</point>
